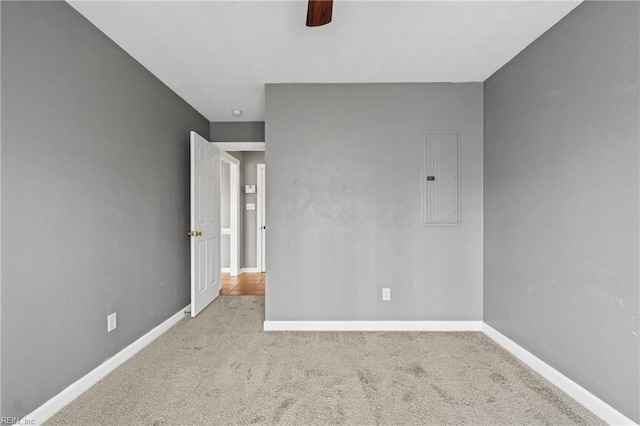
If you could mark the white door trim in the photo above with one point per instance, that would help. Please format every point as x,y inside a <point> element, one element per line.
<point>240,146</point>
<point>234,212</point>
<point>260,218</point>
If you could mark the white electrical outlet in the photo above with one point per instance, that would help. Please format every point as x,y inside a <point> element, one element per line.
<point>112,322</point>
<point>386,294</point>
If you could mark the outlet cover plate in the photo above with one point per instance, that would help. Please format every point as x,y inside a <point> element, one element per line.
<point>112,322</point>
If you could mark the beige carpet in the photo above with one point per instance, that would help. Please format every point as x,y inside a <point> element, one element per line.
<point>221,368</point>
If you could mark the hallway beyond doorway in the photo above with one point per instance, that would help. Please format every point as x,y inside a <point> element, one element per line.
<point>242,285</point>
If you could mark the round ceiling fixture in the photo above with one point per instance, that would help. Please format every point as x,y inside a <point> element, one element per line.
<point>236,112</point>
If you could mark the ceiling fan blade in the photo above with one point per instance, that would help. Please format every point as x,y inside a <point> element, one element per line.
<point>319,12</point>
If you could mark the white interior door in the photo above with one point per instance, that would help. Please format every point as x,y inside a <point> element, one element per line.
<point>205,223</point>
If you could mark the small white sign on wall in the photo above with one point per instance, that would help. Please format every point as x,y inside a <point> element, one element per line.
<point>249,189</point>
<point>251,206</point>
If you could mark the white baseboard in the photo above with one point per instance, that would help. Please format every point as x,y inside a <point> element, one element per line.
<point>74,390</point>
<point>373,326</point>
<point>242,271</point>
<point>571,388</point>
<point>568,386</point>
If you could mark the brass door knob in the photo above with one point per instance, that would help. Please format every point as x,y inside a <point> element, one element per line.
<point>194,233</point>
<point>198,233</point>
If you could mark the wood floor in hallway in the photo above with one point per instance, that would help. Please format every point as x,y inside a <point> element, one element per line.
<point>243,285</point>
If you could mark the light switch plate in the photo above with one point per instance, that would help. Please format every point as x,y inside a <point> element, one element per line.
<point>386,294</point>
<point>251,206</point>
<point>112,322</point>
<point>249,189</point>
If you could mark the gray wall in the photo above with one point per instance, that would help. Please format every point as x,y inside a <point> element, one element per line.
<point>95,200</point>
<point>237,131</point>
<point>561,200</point>
<point>344,203</point>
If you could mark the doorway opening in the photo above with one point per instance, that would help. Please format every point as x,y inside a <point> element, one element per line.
<point>243,218</point>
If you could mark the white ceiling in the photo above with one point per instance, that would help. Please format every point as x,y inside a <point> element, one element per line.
<point>218,55</point>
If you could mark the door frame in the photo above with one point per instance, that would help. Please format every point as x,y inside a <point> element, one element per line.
<point>260,217</point>
<point>234,212</point>
<point>240,146</point>
<point>225,147</point>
